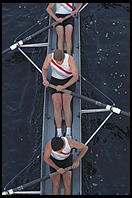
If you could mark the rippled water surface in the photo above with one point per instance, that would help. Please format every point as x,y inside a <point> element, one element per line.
<point>105,39</point>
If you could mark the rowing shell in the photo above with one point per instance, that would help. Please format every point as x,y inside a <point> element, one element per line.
<point>49,129</point>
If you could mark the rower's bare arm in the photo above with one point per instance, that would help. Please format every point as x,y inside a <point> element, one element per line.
<point>79,5</point>
<point>73,66</point>
<point>45,68</point>
<point>47,153</point>
<point>78,145</point>
<point>50,12</point>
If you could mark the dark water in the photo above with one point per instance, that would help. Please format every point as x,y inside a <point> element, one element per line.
<point>105,38</point>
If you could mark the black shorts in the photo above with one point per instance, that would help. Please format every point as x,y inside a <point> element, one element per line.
<point>61,163</point>
<point>66,22</point>
<point>56,82</point>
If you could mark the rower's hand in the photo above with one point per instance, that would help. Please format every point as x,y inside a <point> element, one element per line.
<point>59,87</point>
<point>73,12</point>
<point>46,83</point>
<point>61,170</point>
<point>75,164</point>
<point>59,20</point>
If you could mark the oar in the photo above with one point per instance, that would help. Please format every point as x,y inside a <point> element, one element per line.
<point>23,186</point>
<point>95,102</point>
<point>21,42</point>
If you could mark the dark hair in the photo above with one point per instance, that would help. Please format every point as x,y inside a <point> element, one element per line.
<point>57,143</point>
<point>58,55</point>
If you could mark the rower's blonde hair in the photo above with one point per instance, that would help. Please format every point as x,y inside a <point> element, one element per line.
<point>58,55</point>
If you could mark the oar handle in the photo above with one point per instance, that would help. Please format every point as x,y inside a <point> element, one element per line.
<point>22,187</point>
<point>14,46</point>
<point>56,173</point>
<point>95,102</point>
<point>44,29</point>
<point>63,90</point>
<point>65,18</point>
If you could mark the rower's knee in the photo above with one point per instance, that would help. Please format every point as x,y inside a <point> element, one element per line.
<point>60,33</point>
<point>67,103</point>
<point>68,39</point>
<point>68,185</point>
<point>56,185</point>
<point>60,37</point>
<point>66,106</point>
<point>68,33</point>
<point>58,106</point>
<point>57,102</point>
<point>67,181</point>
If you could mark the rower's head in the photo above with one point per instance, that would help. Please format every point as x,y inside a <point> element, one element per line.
<point>58,55</point>
<point>57,143</point>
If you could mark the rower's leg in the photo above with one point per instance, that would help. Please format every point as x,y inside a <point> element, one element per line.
<point>67,176</point>
<point>68,38</point>
<point>57,102</point>
<point>67,109</point>
<point>55,183</point>
<point>60,34</point>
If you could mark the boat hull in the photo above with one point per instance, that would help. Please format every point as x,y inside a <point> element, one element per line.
<point>49,129</point>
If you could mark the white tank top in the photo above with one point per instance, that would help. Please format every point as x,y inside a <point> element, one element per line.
<point>64,153</point>
<point>62,71</point>
<point>64,8</point>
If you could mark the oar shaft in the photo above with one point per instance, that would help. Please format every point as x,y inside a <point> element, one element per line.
<point>44,29</point>
<point>33,35</point>
<point>125,113</point>
<point>6,50</point>
<point>95,102</point>
<point>22,187</point>
<point>80,96</point>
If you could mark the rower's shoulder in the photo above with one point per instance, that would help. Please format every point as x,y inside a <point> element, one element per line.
<point>71,142</point>
<point>50,5</point>
<point>71,59</point>
<point>49,55</point>
<point>75,144</point>
<point>48,145</point>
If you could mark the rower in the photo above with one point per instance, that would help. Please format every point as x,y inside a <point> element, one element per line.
<point>64,27</point>
<point>58,156</point>
<point>64,75</point>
